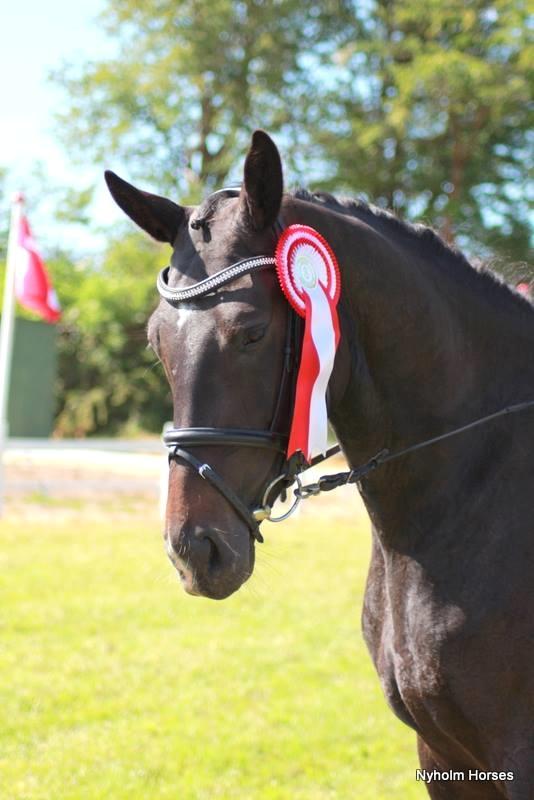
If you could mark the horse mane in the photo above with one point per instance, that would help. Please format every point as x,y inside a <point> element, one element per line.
<point>428,242</point>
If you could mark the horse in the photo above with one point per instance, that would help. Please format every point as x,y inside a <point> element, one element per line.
<point>428,344</point>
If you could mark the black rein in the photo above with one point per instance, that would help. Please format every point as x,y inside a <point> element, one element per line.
<point>328,482</point>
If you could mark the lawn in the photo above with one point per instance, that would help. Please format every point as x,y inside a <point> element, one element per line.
<point>114,684</point>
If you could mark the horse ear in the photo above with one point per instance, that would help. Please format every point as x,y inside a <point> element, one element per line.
<point>156,215</point>
<point>263,184</point>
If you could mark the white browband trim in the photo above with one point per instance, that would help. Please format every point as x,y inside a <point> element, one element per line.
<point>213,282</point>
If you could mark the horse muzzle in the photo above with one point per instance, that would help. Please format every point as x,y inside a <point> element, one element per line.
<point>209,562</point>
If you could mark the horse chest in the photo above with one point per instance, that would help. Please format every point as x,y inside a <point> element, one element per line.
<point>408,633</point>
<point>453,648</point>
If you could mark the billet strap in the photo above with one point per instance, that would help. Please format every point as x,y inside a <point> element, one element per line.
<point>213,282</point>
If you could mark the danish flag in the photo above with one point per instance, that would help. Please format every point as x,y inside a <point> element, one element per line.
<point>33,288</point>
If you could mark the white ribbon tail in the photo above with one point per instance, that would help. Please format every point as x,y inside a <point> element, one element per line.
<point>324,340</point>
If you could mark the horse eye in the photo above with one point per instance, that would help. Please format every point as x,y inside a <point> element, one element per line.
<point>253,335</point>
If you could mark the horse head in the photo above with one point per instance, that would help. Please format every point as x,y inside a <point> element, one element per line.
<point>224,355</point>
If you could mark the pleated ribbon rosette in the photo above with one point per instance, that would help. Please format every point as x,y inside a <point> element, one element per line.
<point>309,277</point>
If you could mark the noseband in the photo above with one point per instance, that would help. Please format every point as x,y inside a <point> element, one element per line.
<point>179,441</point>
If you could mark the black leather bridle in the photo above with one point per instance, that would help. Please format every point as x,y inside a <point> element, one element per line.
<point>179,441</point>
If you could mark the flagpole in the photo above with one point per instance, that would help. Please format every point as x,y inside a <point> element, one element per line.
<point>6,334</point>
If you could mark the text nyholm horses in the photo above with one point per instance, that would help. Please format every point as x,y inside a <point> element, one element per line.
<point>428,343</point>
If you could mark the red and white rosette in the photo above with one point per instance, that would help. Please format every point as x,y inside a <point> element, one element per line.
<point>309,276</point>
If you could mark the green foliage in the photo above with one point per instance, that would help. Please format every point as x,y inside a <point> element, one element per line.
<point>72,205</point>
<point>108,382</point>
<point>433,106</point>
<point>189,82</point>
<point>4,217</point>
<point>108,379</point>
<point>424,109</point>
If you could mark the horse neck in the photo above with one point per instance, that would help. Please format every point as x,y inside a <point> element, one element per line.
<point>419,356</point>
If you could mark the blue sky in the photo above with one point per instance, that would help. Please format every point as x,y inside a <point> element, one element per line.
<point>37,37</point>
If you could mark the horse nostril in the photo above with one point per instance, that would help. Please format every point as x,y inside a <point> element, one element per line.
<point>205,553</point>
<point>214,559</point>
<point>199,553</point>
<point>197,556</point>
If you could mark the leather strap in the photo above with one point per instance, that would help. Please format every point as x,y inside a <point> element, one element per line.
<point>239,437</point>
<point>213,282</point>
<point>209,474</point>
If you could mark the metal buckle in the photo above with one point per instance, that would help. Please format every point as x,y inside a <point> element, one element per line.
<point>264,511</point>
<point>311,490</point>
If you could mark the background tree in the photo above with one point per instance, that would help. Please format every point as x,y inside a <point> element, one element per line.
<point>4,217</point>
<point>429,114</point>
<point>108,380</point>
<point>189,83</point>
<point>425,112</point>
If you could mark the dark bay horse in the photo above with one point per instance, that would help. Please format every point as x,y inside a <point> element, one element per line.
<point>428,344</point>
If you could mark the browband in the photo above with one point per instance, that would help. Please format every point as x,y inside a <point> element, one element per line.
<point>213,282</point>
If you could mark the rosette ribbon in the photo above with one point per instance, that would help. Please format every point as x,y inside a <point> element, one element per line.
<point>309,276</point>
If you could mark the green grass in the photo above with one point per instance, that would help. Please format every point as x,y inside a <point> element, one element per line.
<point>41,498</point>
<point>114,684</point>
